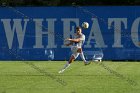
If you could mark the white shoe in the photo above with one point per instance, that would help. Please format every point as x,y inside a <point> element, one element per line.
<point>87,63</point>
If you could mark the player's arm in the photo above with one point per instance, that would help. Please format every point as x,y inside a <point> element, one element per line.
<point>69,44</point>
<point>75,40</point>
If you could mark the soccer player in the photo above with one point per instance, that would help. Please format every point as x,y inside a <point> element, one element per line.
<point>76,48</point>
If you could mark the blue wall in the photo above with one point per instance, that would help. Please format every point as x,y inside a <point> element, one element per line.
<point>37,33</point>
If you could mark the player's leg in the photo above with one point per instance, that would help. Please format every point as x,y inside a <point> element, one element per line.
<point>82,56</point>
<point>72,58</point>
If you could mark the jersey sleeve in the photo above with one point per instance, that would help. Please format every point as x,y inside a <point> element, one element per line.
<point>82,37</point>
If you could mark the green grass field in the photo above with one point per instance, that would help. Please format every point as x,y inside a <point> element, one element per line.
<point>43,77</point>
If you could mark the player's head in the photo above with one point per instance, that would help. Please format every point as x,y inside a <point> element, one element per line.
<point>78,30</point>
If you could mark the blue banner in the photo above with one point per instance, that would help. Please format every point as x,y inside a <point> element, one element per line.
<point>38,33</point>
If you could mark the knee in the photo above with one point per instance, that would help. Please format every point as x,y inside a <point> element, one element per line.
<point>79,50</point>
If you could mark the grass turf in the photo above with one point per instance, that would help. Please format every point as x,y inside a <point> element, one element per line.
<point>43,77</point>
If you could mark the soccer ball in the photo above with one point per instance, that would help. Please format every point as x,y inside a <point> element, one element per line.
<point>85,25</point>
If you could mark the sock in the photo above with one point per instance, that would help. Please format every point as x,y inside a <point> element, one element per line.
<point>66,65</point>
<point>64,68</point>
<point>82,56</point>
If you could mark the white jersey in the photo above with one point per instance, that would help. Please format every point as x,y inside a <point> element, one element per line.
<point>82,40</point>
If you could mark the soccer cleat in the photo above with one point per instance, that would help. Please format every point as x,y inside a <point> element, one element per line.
<point>87,63</point>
